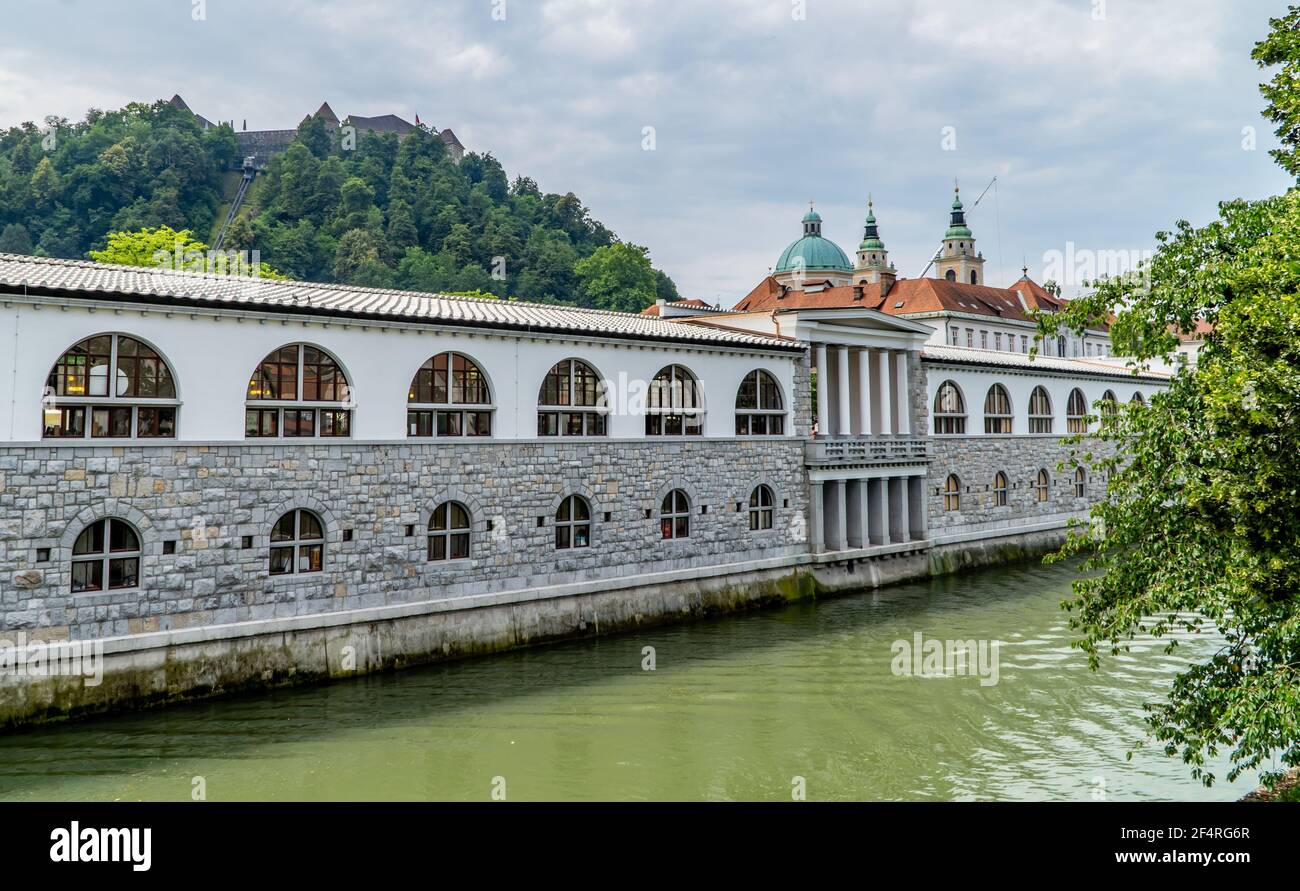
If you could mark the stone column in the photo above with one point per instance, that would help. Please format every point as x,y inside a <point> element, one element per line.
<point>842,387</point>
<point>902,398</point>
<point>817,518</point>
<point>882,378</point>
<point>864,393</point>
<point>823,399</point>
<point>878,511</point>
<point>858,534</point>
<point>837,539</point>
<point>898,521</point>
<point>916,507</point>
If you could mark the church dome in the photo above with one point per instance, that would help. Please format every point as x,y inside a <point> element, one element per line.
<point>815,251</point>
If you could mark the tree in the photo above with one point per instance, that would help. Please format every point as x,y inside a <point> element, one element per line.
<point>618,277</point>
<point>1199,524</point>
<point>166,248</point>
<point>15,239</point>
<point>356,249</point>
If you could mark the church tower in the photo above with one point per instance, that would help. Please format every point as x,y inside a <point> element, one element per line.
<point>957,260</point>
<point>873,260</point>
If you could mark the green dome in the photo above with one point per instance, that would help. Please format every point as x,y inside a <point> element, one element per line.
<point>817,253</point>
<point>870,233</point>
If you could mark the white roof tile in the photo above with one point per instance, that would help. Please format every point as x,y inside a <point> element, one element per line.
<point>81,278</point>
<point>1005,359</point>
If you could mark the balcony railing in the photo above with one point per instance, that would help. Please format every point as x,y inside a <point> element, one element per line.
<point>879,450</point>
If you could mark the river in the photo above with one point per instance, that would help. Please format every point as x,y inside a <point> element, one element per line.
<point>736,707</point>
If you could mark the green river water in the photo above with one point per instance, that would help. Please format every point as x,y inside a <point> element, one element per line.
<point>736,708</point>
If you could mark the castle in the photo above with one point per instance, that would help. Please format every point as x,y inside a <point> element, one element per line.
<point>261,145</point>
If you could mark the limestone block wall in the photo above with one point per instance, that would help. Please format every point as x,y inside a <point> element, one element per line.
<point>976,460</point>
<point>205,512</point>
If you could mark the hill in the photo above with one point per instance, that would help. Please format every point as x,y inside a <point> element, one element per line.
<point>391,212</point>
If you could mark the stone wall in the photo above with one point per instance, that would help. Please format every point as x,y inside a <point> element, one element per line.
<point>976,459</point>
<point>216,504</point>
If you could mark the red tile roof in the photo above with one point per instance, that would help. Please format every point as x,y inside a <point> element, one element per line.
<point>909,296</point>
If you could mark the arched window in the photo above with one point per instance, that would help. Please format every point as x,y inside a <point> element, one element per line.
<point>1076,412</point>
<point>449,532</point>
<point>997,410</point>
<point>297,544</point>
<point>573,523</point>
<point>449,397</point>
<point>949,409</point>
<point>999,489</point>
<point>1109,404</point>
<point>974,279</point>
<point>952,493</point>
<point>106,557</point>
<point>759,409</point>
<point>675,404</point>
<point>951,274</point>
<point>1042,486</point>
<point>1040,411</point>
<point>1138,398</point>
<point>298,390</point>
<point>79,402</point>
<point>1080,482</point>
<point>572,401</point>
<point>675,515</point>
<point>760,508</point>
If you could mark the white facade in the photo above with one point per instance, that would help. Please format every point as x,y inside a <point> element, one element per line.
<point>213,353</point>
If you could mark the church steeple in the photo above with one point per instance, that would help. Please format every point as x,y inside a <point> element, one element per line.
<point>957,260</point>
<point>873,259</point>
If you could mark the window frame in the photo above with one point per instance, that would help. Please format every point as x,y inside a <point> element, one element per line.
<point>1000,488</point>
<point>564,413</point>
<point>677,517</point>
<point>435,411</point>
<point>105,557</point>
<point>769,416</point>
<point>995,420</point>
<point>86,406</point>
<point>1080,482</point>
<point>762,517</point>
<point>1039,422</point>
<point>1076,411</point>
<point>281,410</point>
<point>1042,485</point>
<point>296,544</point>
<point>952,494</point>
<point>949,423</point>
<point>661,417</point>
<point>449,534</point>
<point>569,527</point>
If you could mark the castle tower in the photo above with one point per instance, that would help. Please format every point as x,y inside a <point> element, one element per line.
<point>957,260</point>
<point>873,260</point>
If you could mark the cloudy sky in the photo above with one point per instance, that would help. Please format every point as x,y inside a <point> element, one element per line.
<point>1103,120</point>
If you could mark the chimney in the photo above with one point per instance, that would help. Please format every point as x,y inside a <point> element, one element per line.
<point>857,292</point>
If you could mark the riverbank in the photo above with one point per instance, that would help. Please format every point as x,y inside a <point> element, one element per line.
<point>160,668</point>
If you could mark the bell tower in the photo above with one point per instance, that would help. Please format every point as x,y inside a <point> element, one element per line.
<point>872,258</point>
<point>957,260</point>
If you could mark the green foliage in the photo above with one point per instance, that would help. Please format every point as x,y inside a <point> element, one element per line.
<point>69,185</point>
<point>1200,524</point>
<point>618,277</point>
<point>1282,47</point>
<point>164,247</point>
<point>391,213</point>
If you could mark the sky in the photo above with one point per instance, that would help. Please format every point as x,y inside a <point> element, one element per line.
<point>703,129</point>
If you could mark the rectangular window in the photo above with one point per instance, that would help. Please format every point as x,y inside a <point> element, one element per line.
<point>112,423</point>
<point>334,422</point>
<point>970,337</point>
<point>449,423</point>
<point>261,422</point>
<point>984,340</point>
<point>954,336</point>
<point>997,340</point>
<point>1024,343</point>
<point>87,575</point>
<point>299,422</point>
<point>281,561</point>
<point>156,423</point>
<point>65,422</point>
